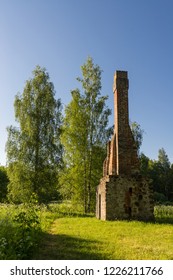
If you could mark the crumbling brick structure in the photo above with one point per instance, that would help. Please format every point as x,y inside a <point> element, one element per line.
<point>123,193</point>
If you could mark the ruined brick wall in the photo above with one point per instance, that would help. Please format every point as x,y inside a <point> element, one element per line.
<point>122,192</point>
<point>122,153</point>
<point>124,198</point>
<point>126,150</point>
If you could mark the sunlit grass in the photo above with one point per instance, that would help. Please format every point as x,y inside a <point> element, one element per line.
<point>89,238</point>
<point>68,234</point>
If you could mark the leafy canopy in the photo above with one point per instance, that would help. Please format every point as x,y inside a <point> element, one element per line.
<point>33,149</point>
<point>85,134</point>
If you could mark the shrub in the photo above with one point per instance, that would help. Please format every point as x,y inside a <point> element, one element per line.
<point>19,232</point>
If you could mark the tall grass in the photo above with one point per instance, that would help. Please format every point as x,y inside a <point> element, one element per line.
<point>163,214</point>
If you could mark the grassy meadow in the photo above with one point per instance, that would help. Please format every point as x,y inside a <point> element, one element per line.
<point>58,231</point>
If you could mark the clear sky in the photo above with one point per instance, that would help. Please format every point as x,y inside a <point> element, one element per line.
<point>131,35</point>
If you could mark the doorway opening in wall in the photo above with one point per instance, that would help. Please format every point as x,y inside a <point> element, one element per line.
<point>130,191</point>
<point>99,206</point>
<point>130,208</point>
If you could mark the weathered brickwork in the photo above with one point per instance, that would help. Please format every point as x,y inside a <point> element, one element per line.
<point>122,192</point>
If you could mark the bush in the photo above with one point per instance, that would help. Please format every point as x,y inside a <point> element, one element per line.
<point>19,232</point>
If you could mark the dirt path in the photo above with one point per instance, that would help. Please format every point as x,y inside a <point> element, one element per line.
<point>48,246</point>
<point>55,245</point>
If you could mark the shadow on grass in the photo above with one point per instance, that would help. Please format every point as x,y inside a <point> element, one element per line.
<point>64,247</point>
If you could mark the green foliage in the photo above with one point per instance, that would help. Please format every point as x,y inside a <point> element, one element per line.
<point>137,132</point>
<point>163,159</point>
<point>84,138</point>
<point>22,226</point>
<point>144,164</point>
<point>19,231</point>
<point>161,173</point>
<point>159,198</point>
<point>3,183</point>
<point>34,151</point>
<point>28,228</point>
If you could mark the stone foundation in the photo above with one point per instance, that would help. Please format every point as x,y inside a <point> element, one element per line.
<point>120,197</point>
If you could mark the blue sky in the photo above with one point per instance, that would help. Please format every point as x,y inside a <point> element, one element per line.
<point>131,35</point>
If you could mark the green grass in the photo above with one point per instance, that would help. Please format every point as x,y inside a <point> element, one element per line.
<point>88,238</point>
<point>65,233</point>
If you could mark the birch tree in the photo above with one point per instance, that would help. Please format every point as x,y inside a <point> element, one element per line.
<point>34,150</point>
<point>85,135</point>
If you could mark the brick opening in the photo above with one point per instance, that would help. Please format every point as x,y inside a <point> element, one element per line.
<point>100,206</point>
